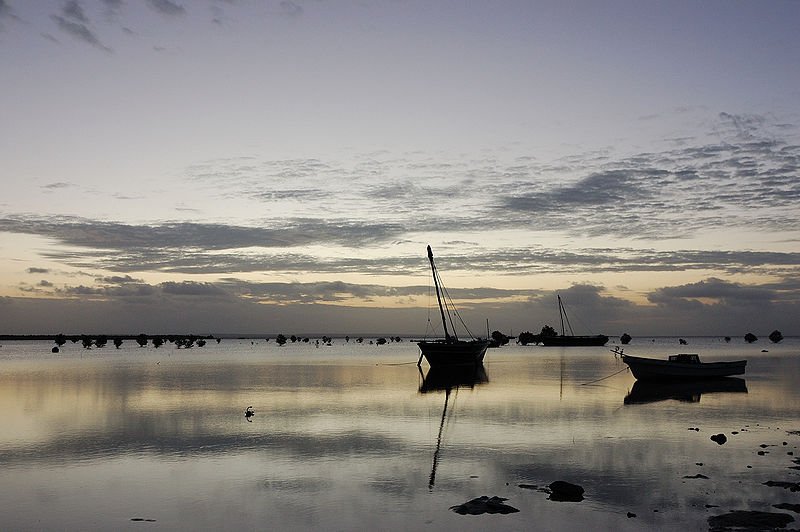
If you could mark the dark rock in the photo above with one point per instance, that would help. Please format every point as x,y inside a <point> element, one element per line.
<point>719,438</point>
<point>563,491</point>
<point>762,453</point>
<point>484,505</point>
<point>741,519</point>
<point>787,506</point>
<point>696,476</point>
<point>631,514</point>
<point>791,486</point>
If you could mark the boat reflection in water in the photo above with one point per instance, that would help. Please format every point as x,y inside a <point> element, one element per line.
<point>685,391</point>
<point>447,380</point>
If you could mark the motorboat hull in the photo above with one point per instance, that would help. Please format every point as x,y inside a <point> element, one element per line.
<point>654,369</point>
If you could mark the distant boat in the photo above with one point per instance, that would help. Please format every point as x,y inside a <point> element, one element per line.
<point>450,350</point>
<point>681,367</point>
<point>571,339</point>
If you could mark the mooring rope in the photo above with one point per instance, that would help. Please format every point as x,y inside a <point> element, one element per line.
<point>607,377</point>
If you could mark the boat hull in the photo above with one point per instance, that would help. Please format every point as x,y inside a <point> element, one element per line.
<point>440,353</point>
<point>653,369</point>
<point>574,341</point>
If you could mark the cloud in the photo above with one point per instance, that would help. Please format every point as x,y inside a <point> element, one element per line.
<point>290,9</point>
<point>57,185</point>
<point>6,13</point>
<point>38,270</point>
<point>192,288</point>
<point>197,248</point>
<point>112,7</point>
<point>715,290</point>
<point>203,236</point>
<point>167,7</point>
<point>73,10</point>
<point>74,22</point>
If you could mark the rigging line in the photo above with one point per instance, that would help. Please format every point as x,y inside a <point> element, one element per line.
<point>607,377</point>
<point>580,321</point>
<point>457,313</point>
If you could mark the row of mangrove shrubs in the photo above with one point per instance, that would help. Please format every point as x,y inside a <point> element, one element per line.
<point>102,340</point>
<point>282,339</point>
<point>547,331</point>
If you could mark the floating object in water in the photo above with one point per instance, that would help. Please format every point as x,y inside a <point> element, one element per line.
<point>484,505</point>
<point>249,412</point>
<point>563,491</point>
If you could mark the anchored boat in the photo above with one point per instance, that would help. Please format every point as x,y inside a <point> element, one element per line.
<point>450,350</point>
<point>571,339</point>
<point>681,366</point>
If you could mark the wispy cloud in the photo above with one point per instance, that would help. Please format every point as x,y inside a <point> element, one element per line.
<point>167,7</point>
<point>73,21</point>
<point>291,9</point>
<point>7,13</point>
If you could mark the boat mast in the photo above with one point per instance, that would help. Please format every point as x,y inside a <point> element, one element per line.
<point>438,295</point>
<point>561,313</point>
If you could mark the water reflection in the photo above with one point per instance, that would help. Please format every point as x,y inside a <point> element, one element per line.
<point>685,391</point>
<point>447,380</point>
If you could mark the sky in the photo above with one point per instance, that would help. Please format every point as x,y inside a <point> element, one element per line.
<point>258,167</point>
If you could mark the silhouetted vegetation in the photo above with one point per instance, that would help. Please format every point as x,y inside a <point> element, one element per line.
<point>280,340</point>
<point>548,332</point>
<point>498,339</point>
<point>625,339</point>
<point>117,342</point>
<point>750,338</point>
<point>526,338</point>
<point>775,336</point>
<point>141,340</point>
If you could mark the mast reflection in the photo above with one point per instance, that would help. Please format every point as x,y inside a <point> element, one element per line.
<point>448,379</point>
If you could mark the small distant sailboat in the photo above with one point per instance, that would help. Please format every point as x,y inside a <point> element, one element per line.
<point>571,339</point>
<point>450,350</point>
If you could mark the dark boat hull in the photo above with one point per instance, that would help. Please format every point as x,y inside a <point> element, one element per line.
<point>574,341</point>
<point>441,353</point>
<point>654,369</point>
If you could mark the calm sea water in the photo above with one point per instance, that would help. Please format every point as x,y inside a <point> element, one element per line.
<point>355,437</point>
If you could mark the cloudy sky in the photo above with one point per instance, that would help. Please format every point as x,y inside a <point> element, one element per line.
<point>243,166</point>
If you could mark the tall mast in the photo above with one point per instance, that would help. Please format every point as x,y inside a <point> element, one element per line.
<point>561,313</point>
<point>438,295</point>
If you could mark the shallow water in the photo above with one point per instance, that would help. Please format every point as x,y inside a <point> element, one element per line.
<point>353,437</point>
